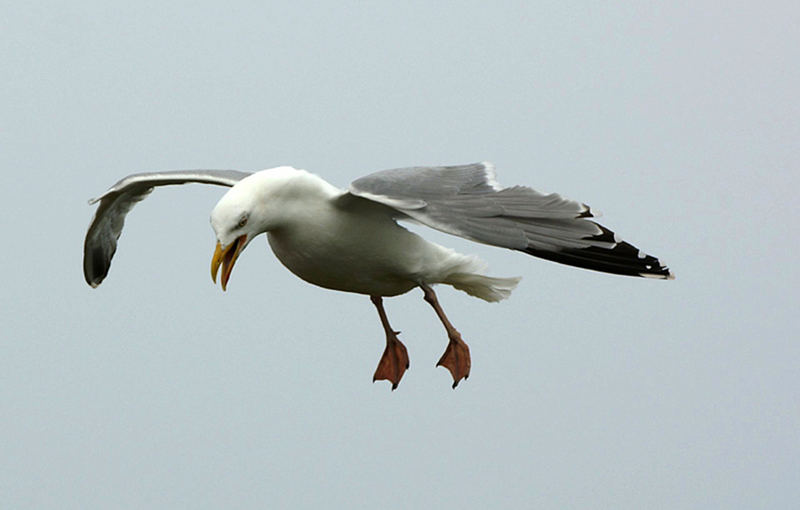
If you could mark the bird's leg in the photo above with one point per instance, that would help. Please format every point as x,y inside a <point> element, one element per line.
<point>456,357</point>
<point>394,361</point>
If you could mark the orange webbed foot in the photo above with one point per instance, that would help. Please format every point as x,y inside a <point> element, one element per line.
<point>456,359</point>
<point>393,363</point>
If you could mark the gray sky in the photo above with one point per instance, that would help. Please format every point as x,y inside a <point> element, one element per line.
<point>679,122</point>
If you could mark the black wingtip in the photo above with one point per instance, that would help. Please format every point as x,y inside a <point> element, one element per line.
<point>95,266</point>
<point>619,257</point>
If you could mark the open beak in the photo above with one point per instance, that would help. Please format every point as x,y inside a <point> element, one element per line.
<point>226,257</point>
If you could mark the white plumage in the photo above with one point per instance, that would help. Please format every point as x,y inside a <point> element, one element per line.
<point>357,248</point>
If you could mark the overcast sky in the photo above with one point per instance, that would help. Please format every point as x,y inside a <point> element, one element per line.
<point>157,390</point>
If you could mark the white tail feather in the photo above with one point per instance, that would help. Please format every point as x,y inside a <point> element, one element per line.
<point>487,288</point>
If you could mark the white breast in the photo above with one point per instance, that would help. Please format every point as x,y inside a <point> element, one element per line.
<point>367,254</point>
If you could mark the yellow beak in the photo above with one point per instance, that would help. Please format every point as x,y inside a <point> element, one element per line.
<point>226,257</point>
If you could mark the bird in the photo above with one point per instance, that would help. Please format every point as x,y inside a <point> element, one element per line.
<point>353,240</point>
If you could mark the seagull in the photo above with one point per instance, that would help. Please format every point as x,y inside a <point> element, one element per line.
<point>351,240</point>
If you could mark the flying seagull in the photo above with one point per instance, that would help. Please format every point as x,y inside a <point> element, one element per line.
<point>351,241</point>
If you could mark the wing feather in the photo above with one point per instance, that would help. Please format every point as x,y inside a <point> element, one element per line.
<point>467,201</point>
<point>104,231</point>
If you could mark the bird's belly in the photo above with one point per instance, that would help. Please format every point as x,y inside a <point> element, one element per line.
<point>347,261</point>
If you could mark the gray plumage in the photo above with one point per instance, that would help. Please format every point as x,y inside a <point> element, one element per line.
<point>106,227</point>
<point>467,201</point>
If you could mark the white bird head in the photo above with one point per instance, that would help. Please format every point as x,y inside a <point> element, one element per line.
<point>251,207</point>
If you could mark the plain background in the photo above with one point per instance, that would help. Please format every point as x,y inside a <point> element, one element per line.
<point>679,121</point>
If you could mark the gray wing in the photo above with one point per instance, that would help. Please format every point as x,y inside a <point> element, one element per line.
<point>468,202</point>
<point>106,227</point>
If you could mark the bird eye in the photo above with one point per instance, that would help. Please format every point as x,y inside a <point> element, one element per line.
<point>242,222</point>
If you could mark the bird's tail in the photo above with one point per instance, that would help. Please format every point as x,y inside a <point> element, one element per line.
<point>487,288</point>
